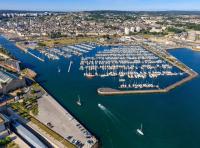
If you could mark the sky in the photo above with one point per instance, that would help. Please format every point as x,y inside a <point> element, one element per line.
<point>78,5</point>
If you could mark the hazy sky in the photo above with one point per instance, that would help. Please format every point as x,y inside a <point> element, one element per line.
<point>65,5</point>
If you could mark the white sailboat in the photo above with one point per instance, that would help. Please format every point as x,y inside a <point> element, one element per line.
<point>78,102</point>
<point>139,131</point>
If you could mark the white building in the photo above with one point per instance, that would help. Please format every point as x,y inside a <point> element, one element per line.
<point>138,29</point>
<point>154,29</point>
<point>126,31</point>
<point>132,29</point>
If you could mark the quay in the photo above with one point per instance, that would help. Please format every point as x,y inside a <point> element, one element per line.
<point>110,91</point>
<point>36,56</point>
<point>26,51</point>
<point>21,47</point>
<point>64,124</point>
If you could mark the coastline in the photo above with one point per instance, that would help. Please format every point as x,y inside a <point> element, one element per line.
<point>59,107</point>
<point>21,47</point>
<point>198,50</point>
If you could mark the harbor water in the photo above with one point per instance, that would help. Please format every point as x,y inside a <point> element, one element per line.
<point>170,120</point>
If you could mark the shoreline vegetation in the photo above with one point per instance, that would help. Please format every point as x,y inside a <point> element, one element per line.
<point>65,41</point>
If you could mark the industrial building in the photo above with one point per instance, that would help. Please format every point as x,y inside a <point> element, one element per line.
<point>10,64</point>
<point>4,123</point>
<point>28,136</point>
<point>10,82</point>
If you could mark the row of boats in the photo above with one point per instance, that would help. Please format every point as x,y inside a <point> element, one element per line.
<point>139,86</point>
<point>128,63</point>
<point>67,51</point>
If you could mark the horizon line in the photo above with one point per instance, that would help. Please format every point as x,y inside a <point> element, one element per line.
<point>82,10</point>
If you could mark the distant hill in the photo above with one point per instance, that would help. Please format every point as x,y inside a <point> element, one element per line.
<point>114,12</point>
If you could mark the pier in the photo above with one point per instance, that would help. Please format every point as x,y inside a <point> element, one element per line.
<point>36,56</point>
<point>69,66</point>
<point>18,45</point>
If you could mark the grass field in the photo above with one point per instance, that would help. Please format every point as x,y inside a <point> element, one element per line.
<point>67,41</point>
<point>52,133</point>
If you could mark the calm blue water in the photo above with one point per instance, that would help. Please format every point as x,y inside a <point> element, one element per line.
<point>170,120</point>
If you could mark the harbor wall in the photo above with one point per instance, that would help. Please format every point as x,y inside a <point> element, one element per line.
<point>65,111</point>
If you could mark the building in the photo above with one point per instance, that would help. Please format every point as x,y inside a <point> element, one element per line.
<point>126,31</point>
<point>156,29</point>
<point>4,124</point>
<point>28,136</point>
<point>10,82</point>
<point>138,29</point>
<point>10,64</point>
<point>132,29</point>
<point>193,36</point>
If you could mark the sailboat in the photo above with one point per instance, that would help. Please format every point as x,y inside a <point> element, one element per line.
<point>78,102</point>
<point>139,131</point>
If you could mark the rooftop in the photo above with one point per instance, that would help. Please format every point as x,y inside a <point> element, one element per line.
<point>4,77</point>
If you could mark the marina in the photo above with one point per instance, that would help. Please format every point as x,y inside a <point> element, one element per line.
<point>134,70</point>
<point>56,53</point>
<point>116,118</point>
<point>67,51</point>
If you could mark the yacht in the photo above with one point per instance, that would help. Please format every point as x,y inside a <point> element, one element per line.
<point>78,102</point>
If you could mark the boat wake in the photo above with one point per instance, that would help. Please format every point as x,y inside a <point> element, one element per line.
<point>109,114</point>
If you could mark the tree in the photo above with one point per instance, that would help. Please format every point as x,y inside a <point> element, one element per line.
<point>41,44</point>
<point>5,141</point>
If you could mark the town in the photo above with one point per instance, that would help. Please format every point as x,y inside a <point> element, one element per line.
<point>132,46</point>
<point>38,29</point>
